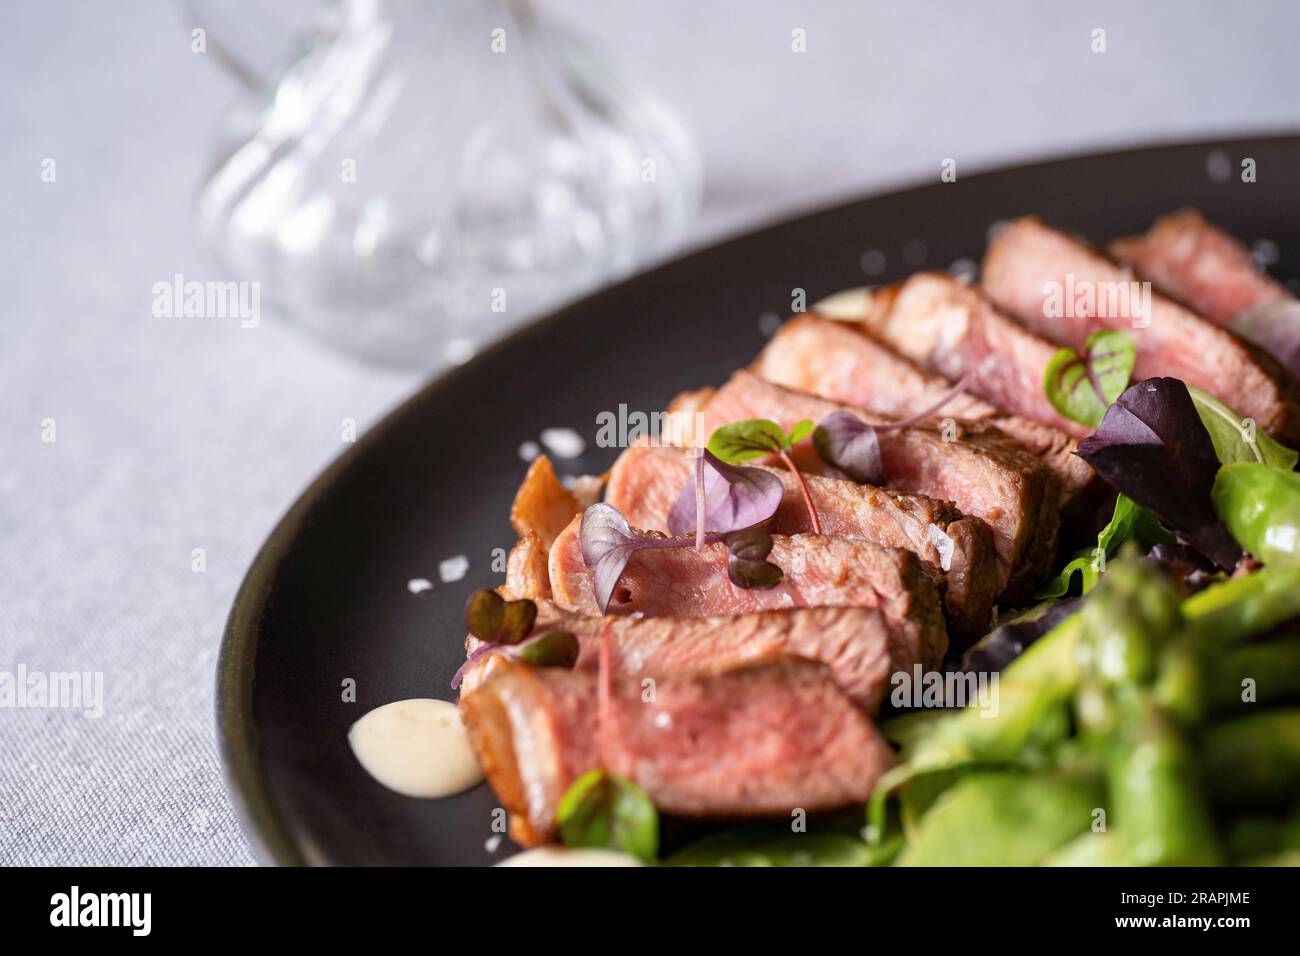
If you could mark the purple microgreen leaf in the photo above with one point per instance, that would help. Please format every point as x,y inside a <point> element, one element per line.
<point>849,444</point>
<point>846,442</point>
<point>747,564</point>
<point>1153,447</point>
<point>744,441</point>
<point>556,648</point>
<point>608,543</point>
<point>734,498</point>
<point>1274,327</point>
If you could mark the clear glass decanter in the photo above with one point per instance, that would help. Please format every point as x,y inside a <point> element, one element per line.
<point>422,177</point>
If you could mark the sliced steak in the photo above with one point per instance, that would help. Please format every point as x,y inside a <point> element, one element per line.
<point>1200,265</point>
<point>846,363</point>
<point>645,481</point>
<point>756,741</point>
<point>983,472</point>
<point>1028,264</point>
<point>858,644</point>
<point>950,329</point>
<point>819,572</point>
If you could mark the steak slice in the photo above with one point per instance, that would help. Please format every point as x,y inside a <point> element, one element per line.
<point>1027,258</point>
<point>845,363</point>
<point>983,472</point>
<point>819,572</point>
<point>949,328</point>
<point>751,742</point>
<point>645,481</point>
<point>1201,265</point>
<point>858,644</point>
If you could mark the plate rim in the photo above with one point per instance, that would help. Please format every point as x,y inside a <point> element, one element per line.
<point>263,826</point>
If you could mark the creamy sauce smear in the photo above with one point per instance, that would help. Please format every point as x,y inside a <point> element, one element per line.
<point>559,856</point>
<point>417,747</point>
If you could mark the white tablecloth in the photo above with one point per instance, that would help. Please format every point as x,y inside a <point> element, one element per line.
<point>177,435</point>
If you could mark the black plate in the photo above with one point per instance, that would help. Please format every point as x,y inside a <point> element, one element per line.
<point>327,599</point>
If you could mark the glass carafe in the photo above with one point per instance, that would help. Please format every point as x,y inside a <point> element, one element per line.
<point>421,177</point>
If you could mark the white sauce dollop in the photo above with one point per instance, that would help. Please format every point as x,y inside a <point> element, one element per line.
<point>560,856</point>
<point>417,747</point>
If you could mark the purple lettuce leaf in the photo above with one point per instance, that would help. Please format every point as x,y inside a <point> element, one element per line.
<point>735,498</point>
<point>1153,447</point>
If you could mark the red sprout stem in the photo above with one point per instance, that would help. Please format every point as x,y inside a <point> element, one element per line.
<point>699,501</point>
<point>922,415</point>
<point>803,488</point>
<point>476,655</point>
<point>603,695</point>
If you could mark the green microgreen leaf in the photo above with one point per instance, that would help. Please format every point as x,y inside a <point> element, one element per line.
<point>1081,387</point>
<point>603,810</point>
<point>556,648</point>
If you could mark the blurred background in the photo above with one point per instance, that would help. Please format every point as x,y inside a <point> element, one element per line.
<point>147,451</point>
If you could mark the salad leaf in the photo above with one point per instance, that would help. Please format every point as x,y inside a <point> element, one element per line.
<point>735,498</point>
<point>1081,387</point>
<point>1261,507</point>
<point>1152,447</point>
<point>603,810</point>
<point>846,442</point>
<point>1236,439</point>
<point>1002,646</point>
<point>1130,520</point>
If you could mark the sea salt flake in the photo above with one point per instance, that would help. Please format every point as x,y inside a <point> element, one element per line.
<point>563,442</point>
<point>416,585</point>
<point>529,450</point>
<point>943,543</point>
<point>453,569</point>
